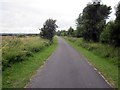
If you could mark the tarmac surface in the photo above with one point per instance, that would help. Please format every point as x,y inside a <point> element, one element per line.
<point>66,68</point>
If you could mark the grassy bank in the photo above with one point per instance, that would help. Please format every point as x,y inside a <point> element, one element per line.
<point>98,56</point>
<point>16,49</point>
<point>18,74</point>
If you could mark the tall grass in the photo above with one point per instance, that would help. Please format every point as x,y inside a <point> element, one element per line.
<point>102,50</point>
<point>16,49</point>
<point>19,74</point>
<point>100,56</point>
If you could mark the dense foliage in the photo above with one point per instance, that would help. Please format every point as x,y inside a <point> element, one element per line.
<point>106,34</point>
<point>70,31</point>
<point>92,21</point>
<point>92,26</point>
<point>48,29</point>
<point>111,33</point>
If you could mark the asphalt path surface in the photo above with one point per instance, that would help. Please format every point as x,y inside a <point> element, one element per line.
<point>66,68</point>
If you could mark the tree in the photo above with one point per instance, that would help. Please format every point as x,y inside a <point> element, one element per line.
<point>92,21</point>
<point>115,33</point>
<point>117,28</point>
<point>70,31</point>
<point>111,33</point>
<point>48,29</point>
<point>58,33</point>
<point>106,33</point>
<point>118,13</point>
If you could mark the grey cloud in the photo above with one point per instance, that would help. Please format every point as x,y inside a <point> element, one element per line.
<point>26,14</point>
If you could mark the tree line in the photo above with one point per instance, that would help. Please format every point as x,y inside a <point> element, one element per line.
<point>92,26</point>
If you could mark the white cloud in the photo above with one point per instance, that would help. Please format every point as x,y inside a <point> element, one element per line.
<point>28,15</point>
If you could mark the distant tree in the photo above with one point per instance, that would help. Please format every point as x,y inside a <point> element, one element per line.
<point>63,33</point>
<point>92,21</point>
<point>48,29</point>
<point>70,31</point>
<point>75,33</point>
<point>58,33</point>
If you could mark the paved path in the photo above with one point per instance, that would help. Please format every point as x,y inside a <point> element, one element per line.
<point>66,68</point>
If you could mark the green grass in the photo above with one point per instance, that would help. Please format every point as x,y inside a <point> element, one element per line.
<point>108,69</point>
<point>16,49</point>
<point>18,75</point>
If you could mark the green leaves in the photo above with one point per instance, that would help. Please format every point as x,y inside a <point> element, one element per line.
<point>111,33</point>
<point>48,29</point>
<point>92,21</point>
<point>118,13</point>
<point>70,31</point>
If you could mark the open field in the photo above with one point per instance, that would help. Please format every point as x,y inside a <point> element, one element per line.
<point>104,58</point>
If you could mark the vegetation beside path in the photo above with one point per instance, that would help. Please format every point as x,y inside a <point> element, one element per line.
<point>103,57</point>
<point>19,73</point>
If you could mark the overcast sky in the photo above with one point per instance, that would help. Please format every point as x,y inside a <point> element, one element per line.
<point>26,16</point>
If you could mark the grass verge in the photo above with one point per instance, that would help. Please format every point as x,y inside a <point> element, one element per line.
<point>16,49</point>
<point>107,68</point>
<point>18,75</point>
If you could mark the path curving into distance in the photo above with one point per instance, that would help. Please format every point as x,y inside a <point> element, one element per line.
<point>66,68</point>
